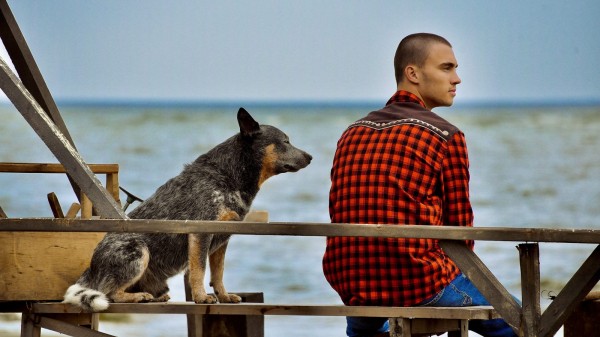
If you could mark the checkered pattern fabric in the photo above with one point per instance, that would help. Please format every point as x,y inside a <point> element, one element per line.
<point>402,165</point>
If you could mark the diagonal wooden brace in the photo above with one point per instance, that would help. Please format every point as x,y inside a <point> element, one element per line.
<point>58,144</point>
<point>484,280</point>
<point>584,279</point>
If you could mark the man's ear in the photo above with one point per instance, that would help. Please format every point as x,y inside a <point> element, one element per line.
<point>248,126</point>
<point>411,73</point>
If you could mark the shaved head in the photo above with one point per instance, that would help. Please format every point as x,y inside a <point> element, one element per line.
<point>414,49</point>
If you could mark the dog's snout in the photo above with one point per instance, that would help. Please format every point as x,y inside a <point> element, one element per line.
<point>308,157</point>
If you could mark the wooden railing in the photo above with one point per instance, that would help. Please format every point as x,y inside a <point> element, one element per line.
<point>527,319</point>
<point>110,170</point>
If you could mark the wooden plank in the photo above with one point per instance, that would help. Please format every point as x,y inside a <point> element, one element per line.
<point>584,279</point>
<point>54,168</point>
<point>300,229</point>
<point>55,205</point>
<point>529,255</point>
<point>41,266</point>
<point>73,210</point>
<point>58,144</point>
<point>69,329</point>
<point>479,312</point>
<point>485,281</point>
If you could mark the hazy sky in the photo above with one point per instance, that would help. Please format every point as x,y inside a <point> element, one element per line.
<point>307,50</point>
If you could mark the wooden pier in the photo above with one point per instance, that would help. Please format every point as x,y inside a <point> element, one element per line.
<point>526,319</point>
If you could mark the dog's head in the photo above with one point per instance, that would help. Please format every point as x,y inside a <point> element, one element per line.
<point>278,155</point>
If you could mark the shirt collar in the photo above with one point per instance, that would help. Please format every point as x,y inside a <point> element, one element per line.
<point>405,96</point>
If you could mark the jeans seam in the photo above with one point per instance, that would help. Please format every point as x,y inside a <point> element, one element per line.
<point>467,300</point>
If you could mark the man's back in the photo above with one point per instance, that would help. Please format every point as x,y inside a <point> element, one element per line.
<point>395,166</point>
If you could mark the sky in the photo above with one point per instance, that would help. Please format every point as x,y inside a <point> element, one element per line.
<point>309,50</point>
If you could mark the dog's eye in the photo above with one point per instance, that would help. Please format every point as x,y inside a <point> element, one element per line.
<point>286,141</point>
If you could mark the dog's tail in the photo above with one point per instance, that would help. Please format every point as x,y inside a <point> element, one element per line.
<point>89,299</point>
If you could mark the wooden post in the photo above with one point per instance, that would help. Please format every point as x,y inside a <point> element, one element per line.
<point>400,327</point>
<point>241,326</point>
<point>29,328</point>
<point>112,185</point>
<point>86,207</point>
<point>226,325</point>
<point>194,322</point>
<point>529,255</point>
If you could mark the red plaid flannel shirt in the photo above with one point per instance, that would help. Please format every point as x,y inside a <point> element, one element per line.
<point>402,165</point>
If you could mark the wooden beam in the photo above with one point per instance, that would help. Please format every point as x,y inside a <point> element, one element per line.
<point>194,322</point>
<point>55,205</point>
<point>58,144</point>
<point>29,328</point>
<point>584,279</point>
<point>529,255</point>
<point>69,329</point>
<point>485,281</point>
<point>54,168</point>
<point>479,312</point>
<point>299,229</point>
<point>73,210</point>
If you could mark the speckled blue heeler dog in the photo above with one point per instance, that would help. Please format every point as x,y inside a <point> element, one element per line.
<point>219,185</point>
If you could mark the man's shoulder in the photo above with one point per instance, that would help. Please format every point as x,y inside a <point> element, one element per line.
<point>407,113</point>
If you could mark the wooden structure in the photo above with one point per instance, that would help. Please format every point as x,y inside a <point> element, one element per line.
<point>31,261</point>
<point>33,100</point>
<point>527,319</point>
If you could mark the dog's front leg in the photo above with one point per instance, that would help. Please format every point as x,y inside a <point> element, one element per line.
<point>217,265</point>
<point>197,252</point>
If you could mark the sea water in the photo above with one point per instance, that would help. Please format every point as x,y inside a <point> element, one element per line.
<point>530,167</point>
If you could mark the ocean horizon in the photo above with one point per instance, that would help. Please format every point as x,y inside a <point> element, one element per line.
<point>310,103</point>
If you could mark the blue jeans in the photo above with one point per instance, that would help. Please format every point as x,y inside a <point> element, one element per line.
<point>459,293</point>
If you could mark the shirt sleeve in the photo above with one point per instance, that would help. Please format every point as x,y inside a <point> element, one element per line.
<point>455,177</point>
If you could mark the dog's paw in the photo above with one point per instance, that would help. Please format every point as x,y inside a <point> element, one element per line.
<point>205,299</point>
<point>163,298</point>
<point>230,298</point>
<point>143,297</point>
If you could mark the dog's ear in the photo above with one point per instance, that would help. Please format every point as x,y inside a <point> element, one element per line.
<point>248,126</point>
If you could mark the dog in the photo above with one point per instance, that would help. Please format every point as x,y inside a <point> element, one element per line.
<point>219,185</point>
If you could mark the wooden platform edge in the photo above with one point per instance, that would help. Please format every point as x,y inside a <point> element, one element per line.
<point>475,312</point>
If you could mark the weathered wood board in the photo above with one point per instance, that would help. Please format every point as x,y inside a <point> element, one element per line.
<point>42,265</point>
